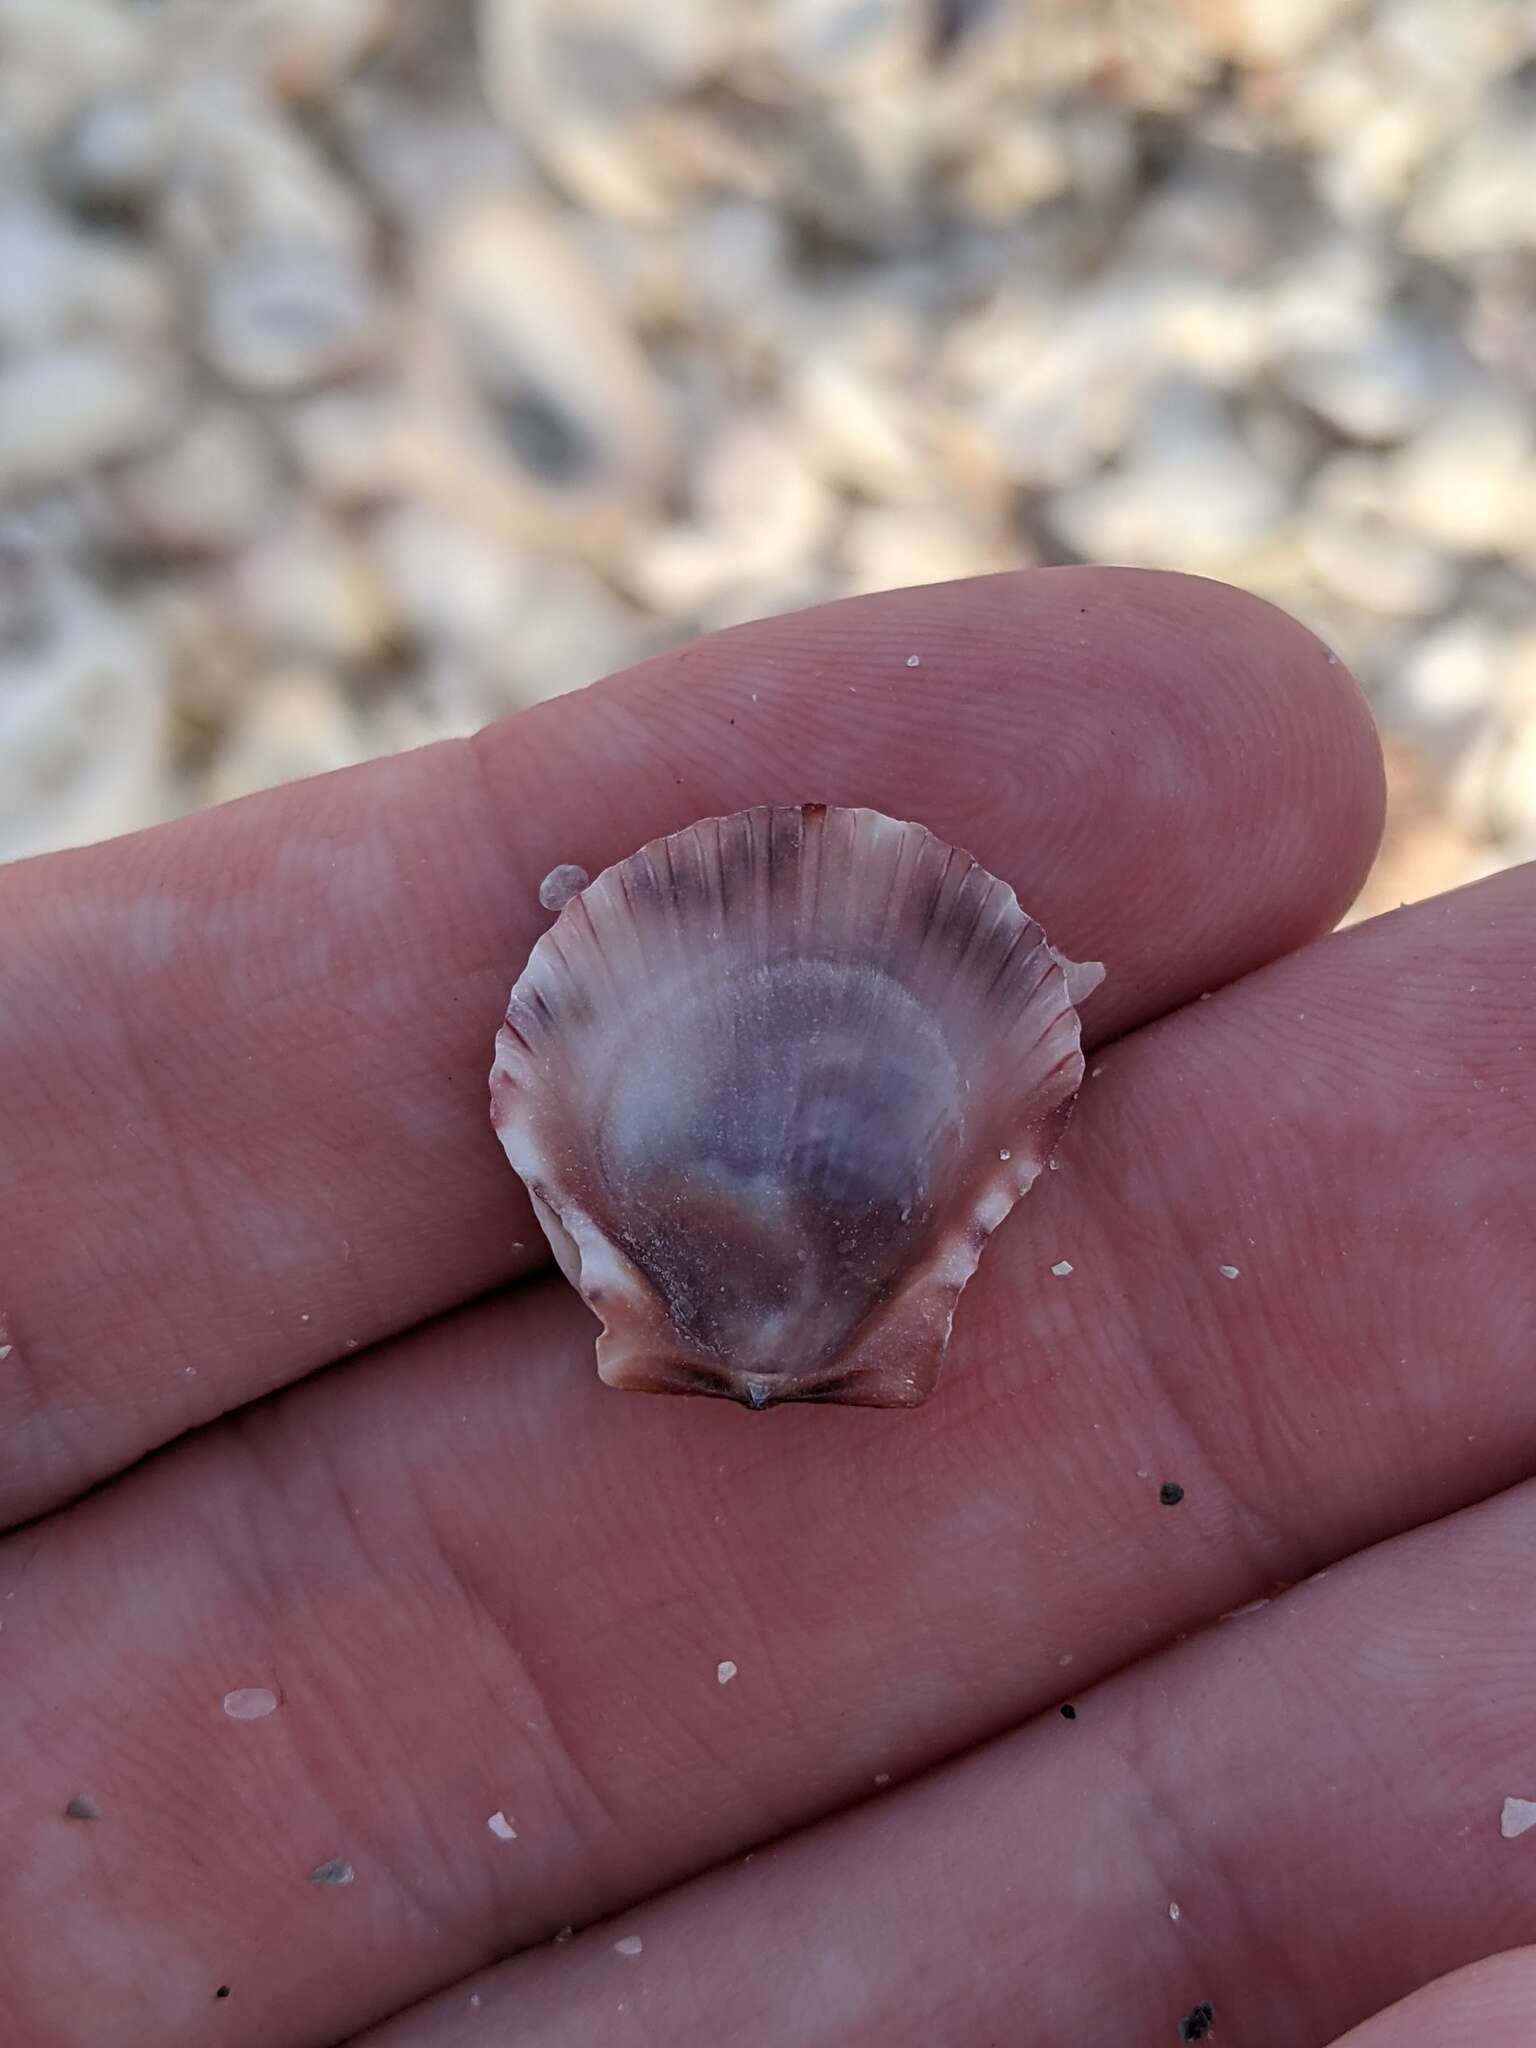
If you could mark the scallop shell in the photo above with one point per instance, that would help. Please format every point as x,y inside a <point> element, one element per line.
<point>772,1082</point>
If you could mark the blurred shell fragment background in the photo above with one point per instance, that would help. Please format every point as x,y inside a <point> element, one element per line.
<point>369,368</point>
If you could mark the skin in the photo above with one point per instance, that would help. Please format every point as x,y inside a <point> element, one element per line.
<point>292,1400</point>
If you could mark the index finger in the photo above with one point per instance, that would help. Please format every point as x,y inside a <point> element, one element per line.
<point>244,1056</point>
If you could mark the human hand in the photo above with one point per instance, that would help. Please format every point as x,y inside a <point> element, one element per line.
<point>244,1138</point>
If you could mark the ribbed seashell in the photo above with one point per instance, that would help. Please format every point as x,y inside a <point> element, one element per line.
<point>772,1082</point>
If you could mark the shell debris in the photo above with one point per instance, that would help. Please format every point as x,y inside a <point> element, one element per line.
<point>561,884</point>
<point>501,1827</point>
<point>1062,1268</point>
<point>378,429</point>
<point>725,1671</point>
<point>250,1703</point>
<point>628,1945</point>
<point>1517,1816</point>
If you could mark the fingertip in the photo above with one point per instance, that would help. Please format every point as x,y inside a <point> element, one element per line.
<point>1489,2004</point>
<point>1321,712</point>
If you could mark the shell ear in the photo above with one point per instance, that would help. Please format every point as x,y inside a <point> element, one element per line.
<point>1082,977</point>
<point>773,1081</point>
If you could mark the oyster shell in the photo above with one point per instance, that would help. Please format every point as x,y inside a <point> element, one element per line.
<point>772,1082</point>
